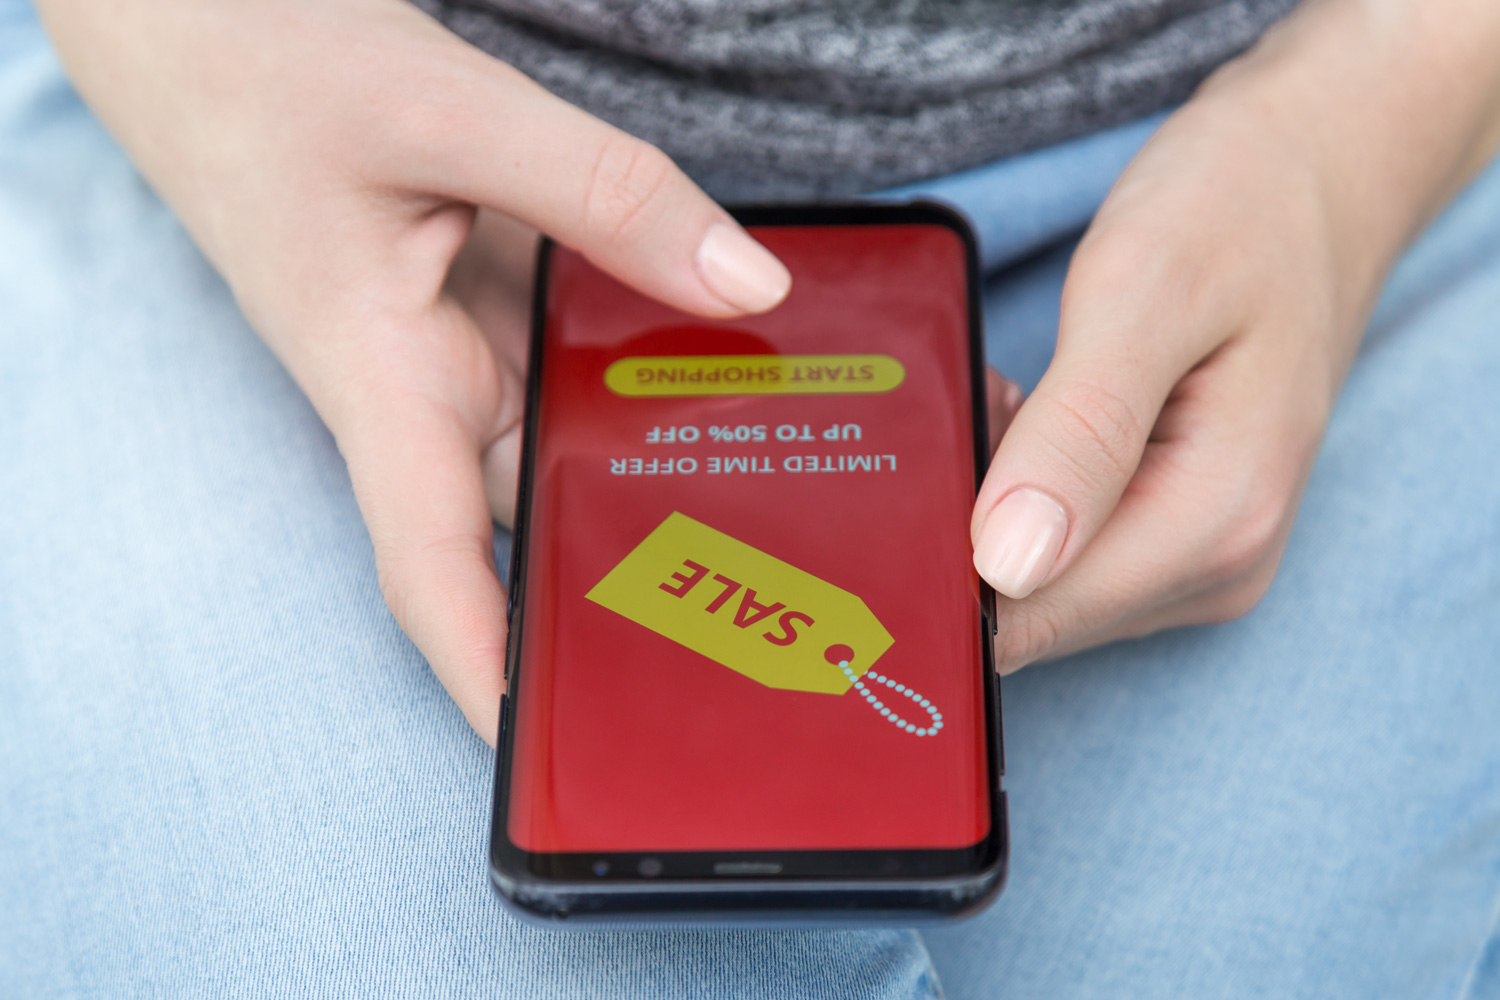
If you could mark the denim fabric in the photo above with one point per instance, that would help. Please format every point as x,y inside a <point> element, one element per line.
<point>1037,199</point>
<point>225,772</point>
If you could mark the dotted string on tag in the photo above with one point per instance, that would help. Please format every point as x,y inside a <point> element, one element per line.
<point>935,718</point>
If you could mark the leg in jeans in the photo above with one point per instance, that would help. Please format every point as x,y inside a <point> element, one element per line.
<point>223,769</point>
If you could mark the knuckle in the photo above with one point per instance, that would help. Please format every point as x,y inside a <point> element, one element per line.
<point>1098,432</point>
<point>404,571</point>
<point>1253,501</point>
<point>1144,288</point>
<point>477,640</point>
<point>1238,601</point>
<point>420,126</point>
<point>1103,263</point>
<point>432,108</point>
<point>1116,265</point>
<point>393,585</point>
<point>1252,538</point>
<point>629,179</point>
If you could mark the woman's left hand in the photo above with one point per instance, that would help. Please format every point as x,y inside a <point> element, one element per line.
<point>1210,315</point>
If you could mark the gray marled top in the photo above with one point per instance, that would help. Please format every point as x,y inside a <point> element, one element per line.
<point>768,99</point>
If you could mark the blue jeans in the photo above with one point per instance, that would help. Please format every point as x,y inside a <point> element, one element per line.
<point>224,771</point>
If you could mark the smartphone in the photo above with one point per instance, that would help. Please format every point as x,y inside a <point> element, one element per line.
<point>749,673</point>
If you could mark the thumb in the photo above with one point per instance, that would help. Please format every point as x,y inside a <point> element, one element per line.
<point>1062,466</point>
<point>617,200</point>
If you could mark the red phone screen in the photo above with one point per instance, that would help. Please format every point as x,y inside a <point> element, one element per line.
<point>751,621</point>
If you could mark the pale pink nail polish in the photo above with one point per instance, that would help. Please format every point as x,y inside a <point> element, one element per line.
<point>1019,542</point>
<point>741,271</point>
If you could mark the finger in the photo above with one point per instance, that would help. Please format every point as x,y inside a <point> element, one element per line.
<point>1220,603</point>
<point>1198,535</point>
<point>417,478</point>
<point>1077,441</point>
<point>492,279</point>
<point>414,397</point>
<point>1025,631</point>
<point>1132,568</point>
<point>1002,399</point>
<point>502,469</point>
<point>503,141</point>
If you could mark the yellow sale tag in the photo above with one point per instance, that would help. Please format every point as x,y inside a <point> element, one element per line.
<point>745,609</point>
<point>753,374</point>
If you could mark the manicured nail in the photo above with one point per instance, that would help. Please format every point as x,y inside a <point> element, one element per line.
<point>741,271</point>
<point>1019,542</point>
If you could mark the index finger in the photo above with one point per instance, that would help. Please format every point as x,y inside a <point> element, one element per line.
<point>502,141</point>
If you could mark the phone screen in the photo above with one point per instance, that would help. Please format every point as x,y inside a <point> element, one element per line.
<point>750,617</point>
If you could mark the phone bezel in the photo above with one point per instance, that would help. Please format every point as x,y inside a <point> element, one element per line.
<point>845,884</point>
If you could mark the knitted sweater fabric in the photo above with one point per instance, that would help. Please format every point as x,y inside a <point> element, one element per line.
<point>771,100</point>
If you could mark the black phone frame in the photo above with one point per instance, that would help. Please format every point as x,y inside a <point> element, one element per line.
<point>820,886</point>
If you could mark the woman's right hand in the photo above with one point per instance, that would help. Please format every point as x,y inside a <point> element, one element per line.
<point>370,187</point>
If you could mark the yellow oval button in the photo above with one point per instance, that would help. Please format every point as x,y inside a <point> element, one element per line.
<point>753,374</point>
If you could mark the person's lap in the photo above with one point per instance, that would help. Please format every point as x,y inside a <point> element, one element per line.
<point>225,770</point>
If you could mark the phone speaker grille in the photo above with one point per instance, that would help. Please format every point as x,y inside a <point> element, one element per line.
<point>747,868</point>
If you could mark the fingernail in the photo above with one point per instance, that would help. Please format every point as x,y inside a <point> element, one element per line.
<point>741,271</point>
<point>1019,542</point>
<point>1013,395</point>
